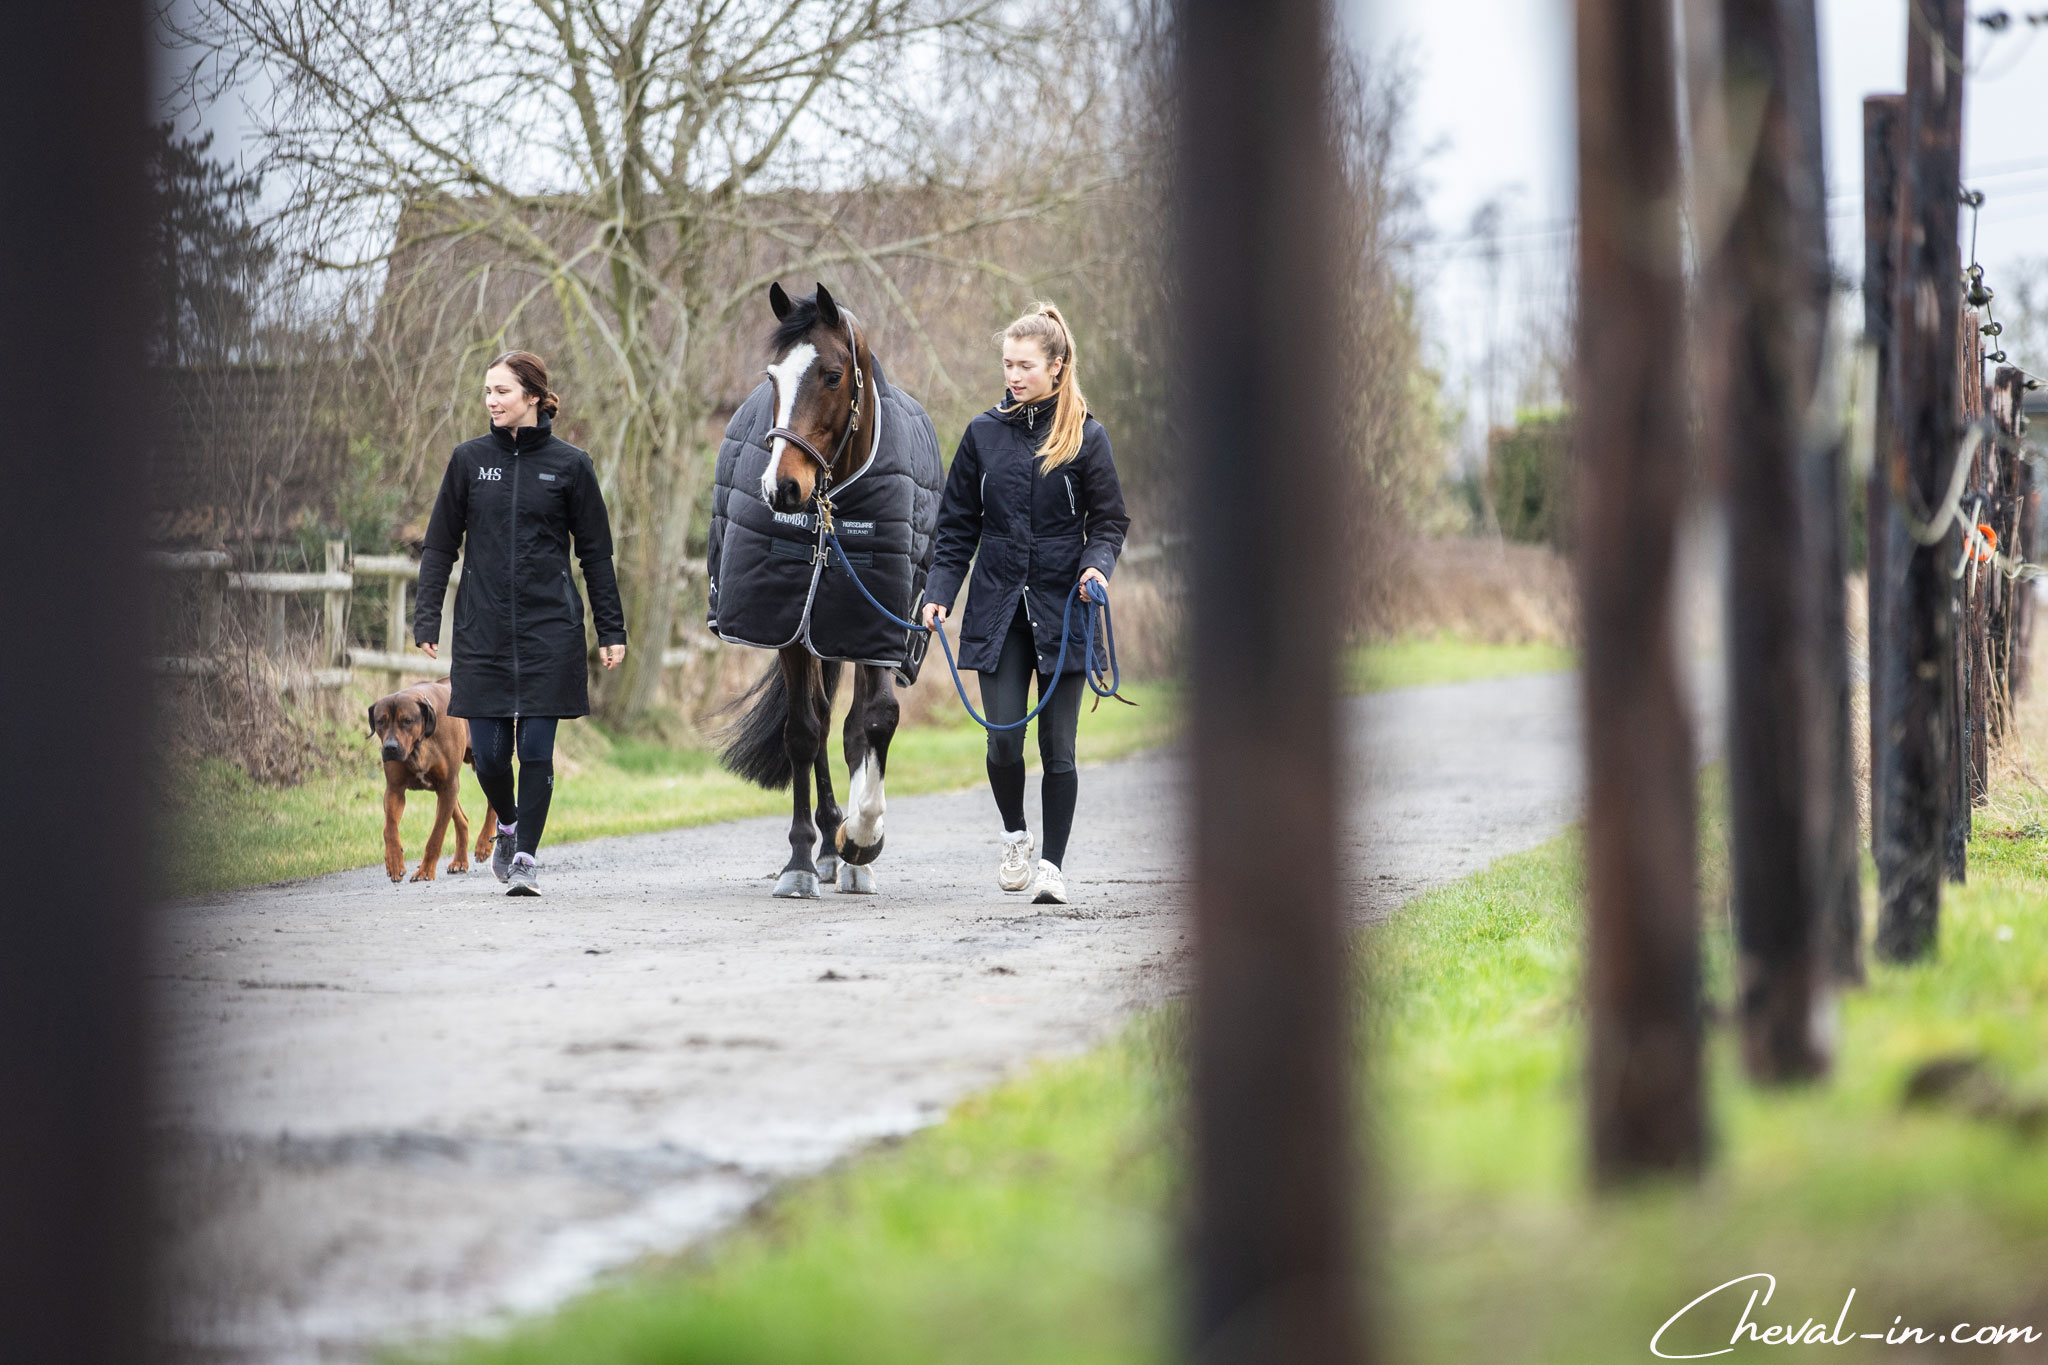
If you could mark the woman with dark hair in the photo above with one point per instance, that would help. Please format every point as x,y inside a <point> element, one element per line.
<point>1032,502</point>
<point>511,503</point>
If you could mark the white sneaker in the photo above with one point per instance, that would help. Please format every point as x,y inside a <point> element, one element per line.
<point>1014,872</point>
<point>1048,887</point>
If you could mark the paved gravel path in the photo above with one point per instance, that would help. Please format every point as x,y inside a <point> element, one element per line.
<point>401,1110</point>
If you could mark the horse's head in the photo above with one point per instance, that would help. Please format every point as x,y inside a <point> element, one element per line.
<point>824,397</point>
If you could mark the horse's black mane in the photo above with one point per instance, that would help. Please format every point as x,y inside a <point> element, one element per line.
<point>803,316</point>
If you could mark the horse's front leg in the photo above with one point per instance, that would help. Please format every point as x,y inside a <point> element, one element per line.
<point>803,734</point>
<point>869,728</point>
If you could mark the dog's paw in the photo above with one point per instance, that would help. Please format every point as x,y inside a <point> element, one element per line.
<point>458,869</point>
<point>425,874</point>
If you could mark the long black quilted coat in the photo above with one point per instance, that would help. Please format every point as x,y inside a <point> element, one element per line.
<point>510,503</point>
<point>1036,532</point>
<point>766,590</point>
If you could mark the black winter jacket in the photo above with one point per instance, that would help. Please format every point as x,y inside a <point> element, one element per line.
<point>509,504</point>
<point>1036,532</point>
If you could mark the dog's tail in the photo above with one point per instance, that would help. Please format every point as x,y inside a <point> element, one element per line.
<point>754,745</point>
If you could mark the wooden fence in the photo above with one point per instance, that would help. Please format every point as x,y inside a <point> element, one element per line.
<point>337,658</point>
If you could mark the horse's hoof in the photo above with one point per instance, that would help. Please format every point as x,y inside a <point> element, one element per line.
<point>860,855</point>
<point>828,868</point>
<point>856,880</point>
<point>797,884</point>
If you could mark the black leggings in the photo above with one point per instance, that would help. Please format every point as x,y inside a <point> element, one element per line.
<point>1005,696</point>
<point>492,740</point>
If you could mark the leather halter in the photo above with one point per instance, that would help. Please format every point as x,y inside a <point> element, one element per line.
<point>825,466</point>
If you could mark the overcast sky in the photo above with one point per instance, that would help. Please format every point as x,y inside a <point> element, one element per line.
<point>1492,120</point>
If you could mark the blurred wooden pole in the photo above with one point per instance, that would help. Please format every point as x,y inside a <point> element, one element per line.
<point>74,1214</point>
<point>1273,1279</point>
<point>1767,297</point>
<point>1926,301</point>
<point>1643,1073</point>
<point>1888,545</point>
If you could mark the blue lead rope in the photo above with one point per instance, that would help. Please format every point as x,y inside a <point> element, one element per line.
<point>1095,596</point>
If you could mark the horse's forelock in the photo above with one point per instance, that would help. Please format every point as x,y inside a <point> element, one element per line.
<point>799,325</point>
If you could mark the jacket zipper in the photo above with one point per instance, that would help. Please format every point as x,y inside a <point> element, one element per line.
<point>512,602</point>
<point>1072,509</point>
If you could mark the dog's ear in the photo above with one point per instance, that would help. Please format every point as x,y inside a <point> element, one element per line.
<point>426,718</point>
<point>373,721</point>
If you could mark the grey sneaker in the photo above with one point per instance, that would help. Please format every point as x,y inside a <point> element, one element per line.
<point>525,876</point>
<point>1014,872</point>
<point>502,851</point>
<point>1048,887</point>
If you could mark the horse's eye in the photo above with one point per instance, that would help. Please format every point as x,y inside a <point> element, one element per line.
<point>832,378</point>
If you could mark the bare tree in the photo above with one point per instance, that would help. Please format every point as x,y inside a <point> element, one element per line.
<point>623,176</point>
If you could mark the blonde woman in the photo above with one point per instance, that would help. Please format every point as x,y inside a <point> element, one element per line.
<point>1032,487</point>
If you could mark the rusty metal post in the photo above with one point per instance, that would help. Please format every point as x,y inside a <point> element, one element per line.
<point>74,1214</point>
<point>1643,1072</point>
<point>1918,696</point>
<point>1273,1278</point>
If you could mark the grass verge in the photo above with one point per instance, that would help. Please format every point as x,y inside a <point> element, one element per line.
<point>1418,660</point>
<point>229,831</point>
<point>1037,1223</point>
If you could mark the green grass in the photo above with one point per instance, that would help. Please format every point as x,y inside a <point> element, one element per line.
<point>229,831</point>
<point>1037,1223</point>
<point>1417,660</point>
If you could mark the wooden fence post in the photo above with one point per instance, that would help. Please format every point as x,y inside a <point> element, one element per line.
<point>335,640</point>
<point>1887,544</point>
<point>1925,436</point>
<point>75,1026</point>
<point>2007,392</point>
<point>1972,751</point>
<point>1643,1073</point>
<point>1273,1277</point>
<point>397,624</point>
<point>1768,297</point>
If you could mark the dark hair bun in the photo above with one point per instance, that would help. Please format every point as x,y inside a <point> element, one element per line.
<point>551,404</point>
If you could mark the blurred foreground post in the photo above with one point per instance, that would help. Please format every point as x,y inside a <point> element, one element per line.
<point>1273,1280</point>
<point>1643,1072</point>
<point>1767,301</point>
<point>74,698</point>
<point>1920,455</point>
<point>1889,547</point>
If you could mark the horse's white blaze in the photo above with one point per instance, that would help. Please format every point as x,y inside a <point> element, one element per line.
<point>864,821</point>
<point>787,373</point>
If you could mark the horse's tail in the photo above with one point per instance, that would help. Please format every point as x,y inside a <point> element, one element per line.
<point>755,746</point>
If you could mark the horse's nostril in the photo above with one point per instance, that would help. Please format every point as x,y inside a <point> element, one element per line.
<point>787,494</point>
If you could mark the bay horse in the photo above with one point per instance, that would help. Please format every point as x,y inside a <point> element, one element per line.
<point>825,426</point>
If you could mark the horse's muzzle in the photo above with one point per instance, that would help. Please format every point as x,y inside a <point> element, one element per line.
<point>789,496</point>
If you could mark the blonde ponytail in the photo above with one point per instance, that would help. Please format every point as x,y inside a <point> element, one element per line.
<point>1043,324</point>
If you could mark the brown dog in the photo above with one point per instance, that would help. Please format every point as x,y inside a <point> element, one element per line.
<point>424,749</point>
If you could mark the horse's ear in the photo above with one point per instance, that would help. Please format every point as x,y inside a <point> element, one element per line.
<point>779,301</point>
<point>828,311</point>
